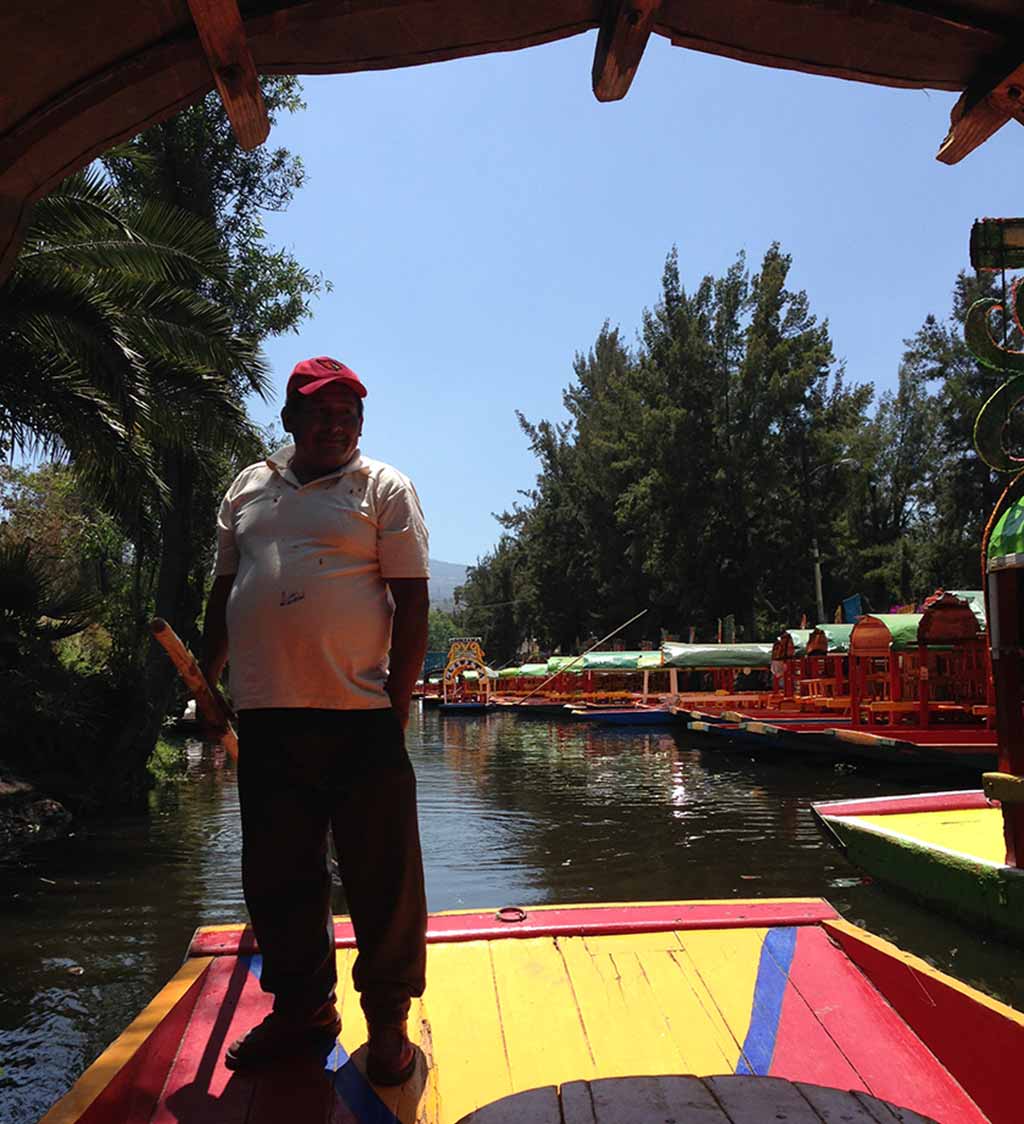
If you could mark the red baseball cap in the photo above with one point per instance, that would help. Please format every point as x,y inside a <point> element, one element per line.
<point>310,375</point>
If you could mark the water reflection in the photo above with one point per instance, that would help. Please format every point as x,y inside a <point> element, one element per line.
<point>513,812</point>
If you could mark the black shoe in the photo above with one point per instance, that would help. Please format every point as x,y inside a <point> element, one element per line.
<point>390,1056</point>
<point>278,1038</point>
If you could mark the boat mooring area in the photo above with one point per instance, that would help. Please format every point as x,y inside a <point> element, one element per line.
<point>546,812</point>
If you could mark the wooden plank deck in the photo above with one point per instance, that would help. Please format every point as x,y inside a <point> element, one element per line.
<point>801,1016</point>
<point>503,1017</point>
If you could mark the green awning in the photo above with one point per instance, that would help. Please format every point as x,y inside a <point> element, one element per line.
<point>616,661</point>
<point>836,639</point>
<point>510,673</point>
<point>534,671</point>
<point>708,657</point>
<point>902,627</point>
<point>557,664</point>
<point>649,661</point>
<point>1006,544</point>
<point>879,632</point>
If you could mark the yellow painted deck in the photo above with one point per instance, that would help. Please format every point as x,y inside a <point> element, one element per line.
<point>971,831</point>
<point>503,1017</point>
<point>605,999</point>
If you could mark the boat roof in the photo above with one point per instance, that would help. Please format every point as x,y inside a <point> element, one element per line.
<point>594,661</point>
<point>80,78</point>
<point>791,644</point>
<point>830,640</point>
<point>949,617</point>
<point>1006,543</point>
<point>710,657</point>
<point>976,599</point>
<point>621,661</point>
<point>946,619</point>
<point>563,998</point>
<point>877,633</point>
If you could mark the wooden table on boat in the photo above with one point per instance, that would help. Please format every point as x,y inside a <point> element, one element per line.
<point>734,1099</point>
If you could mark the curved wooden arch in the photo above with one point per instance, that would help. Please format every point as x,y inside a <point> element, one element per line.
<point>947,619</point>
<point>79,78</point>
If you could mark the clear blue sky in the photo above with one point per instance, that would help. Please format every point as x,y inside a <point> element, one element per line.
<point>480,219</point>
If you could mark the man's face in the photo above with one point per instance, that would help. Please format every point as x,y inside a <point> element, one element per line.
<point>326,426</point>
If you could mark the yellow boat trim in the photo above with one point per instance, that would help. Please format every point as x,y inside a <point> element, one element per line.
<point>975,832</point>
<point>116,1056</point>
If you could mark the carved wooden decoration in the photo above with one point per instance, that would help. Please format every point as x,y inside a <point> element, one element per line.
<point>980,112</point>
<point>625,28</point>
<point>222,35</point>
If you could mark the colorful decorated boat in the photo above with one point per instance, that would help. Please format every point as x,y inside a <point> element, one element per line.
<point>466,679</point>
<point>964,851</point>
<point>774,1009</point>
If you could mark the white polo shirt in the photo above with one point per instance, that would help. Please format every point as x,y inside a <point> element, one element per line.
<point>309,615</point>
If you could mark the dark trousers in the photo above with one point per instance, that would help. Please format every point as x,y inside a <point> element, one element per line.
<point>300,773</point>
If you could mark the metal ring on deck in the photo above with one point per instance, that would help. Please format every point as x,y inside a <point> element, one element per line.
<point>510,914</point>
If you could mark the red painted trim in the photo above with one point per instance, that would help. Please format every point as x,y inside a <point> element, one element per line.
<point>977,1043</point>
<point>570,921</point>
<point>887,1053</point>
<point>804,1049</point>
<point>898,805</point>
<point>134,1093</point>
<point>199,1088</point>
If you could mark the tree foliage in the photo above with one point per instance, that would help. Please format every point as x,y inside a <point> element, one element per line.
<point>194,162</point>
<point>129,340</point>
<point>698,469</point>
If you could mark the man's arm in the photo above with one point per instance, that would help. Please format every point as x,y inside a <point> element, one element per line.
<point>215,630</point>
<point>408,640</point>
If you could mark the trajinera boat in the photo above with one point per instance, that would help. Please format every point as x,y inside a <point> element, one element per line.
<point>741,1011</point>
<point>962,852</point>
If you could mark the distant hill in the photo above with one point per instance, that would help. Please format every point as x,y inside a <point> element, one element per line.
<point>444,577</point>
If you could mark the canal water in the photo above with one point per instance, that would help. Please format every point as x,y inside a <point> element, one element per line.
<point>513,812</point>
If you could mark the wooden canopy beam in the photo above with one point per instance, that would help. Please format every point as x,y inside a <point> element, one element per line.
<point>222,35</point>
<point>626,26</point>
<point>981,110</point>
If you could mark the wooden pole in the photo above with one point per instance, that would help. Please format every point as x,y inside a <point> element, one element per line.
<point>604,639</point>
<point>209,702</point>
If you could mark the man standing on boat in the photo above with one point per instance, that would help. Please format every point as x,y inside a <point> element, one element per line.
<point>319,604</point>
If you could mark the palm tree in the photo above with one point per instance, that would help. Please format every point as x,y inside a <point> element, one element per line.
<point>115,358</point>
<point>109,350</point>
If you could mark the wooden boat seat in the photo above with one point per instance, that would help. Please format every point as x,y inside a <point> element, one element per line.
<point>816,688</point>
<point>910,707</point>
<point>894,709</point>
<point>734,1099</point>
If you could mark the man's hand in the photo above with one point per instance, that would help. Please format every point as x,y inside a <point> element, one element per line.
<point>402,711</point>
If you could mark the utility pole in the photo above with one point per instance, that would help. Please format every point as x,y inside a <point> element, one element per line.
<point>817,580</point>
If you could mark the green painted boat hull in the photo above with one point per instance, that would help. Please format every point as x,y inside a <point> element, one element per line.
<point>958,885</point>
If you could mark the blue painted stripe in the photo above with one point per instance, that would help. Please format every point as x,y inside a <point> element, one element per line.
<point>349,1084</point>
<point>766,1009</point>
<point>359,1095</point>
